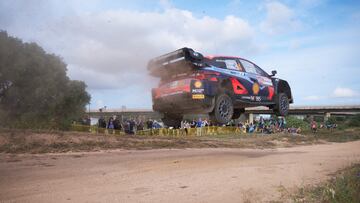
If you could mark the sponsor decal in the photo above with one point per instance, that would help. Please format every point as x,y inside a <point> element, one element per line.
<point>197,84</point>
<point>252,98</point>
<point>198,96</point>
<point>201,91</point>
<point>256,88</point>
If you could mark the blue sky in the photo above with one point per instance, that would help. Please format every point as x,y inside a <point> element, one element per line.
<point>314,44</point>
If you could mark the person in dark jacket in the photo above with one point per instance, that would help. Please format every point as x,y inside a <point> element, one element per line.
<point>102,122</point>
<point>149,124</point>
<point>131,126</point>
<point>117,124</point>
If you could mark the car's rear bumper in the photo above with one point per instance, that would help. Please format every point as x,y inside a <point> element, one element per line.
<point>185,97</point>
<point>182,103</point>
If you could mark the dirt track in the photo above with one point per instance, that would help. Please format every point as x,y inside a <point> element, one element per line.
<point>190,175</point>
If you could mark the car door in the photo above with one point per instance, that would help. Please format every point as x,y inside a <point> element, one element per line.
<point>261,90</point>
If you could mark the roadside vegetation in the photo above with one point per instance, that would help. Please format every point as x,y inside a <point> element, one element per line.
<point>344,186</point>
<point>35,91</point>
<point>45,141</point>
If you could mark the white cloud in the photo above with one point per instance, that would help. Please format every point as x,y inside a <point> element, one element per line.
<point>99,104</point>
<point>110,48</point>
<point>312,98</point>
<point>279,19</point>
<point>344,92</point>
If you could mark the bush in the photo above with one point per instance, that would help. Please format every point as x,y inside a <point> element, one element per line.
<point>292,121</point>
<point>354,121</point>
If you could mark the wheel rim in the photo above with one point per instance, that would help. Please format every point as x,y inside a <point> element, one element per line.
<point>224,109</point>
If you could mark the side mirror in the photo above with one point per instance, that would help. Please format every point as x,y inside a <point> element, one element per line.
<point>273,73</point>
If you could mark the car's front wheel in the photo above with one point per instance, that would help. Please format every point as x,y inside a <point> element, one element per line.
<point>281,105</point>
<point>223,110</point>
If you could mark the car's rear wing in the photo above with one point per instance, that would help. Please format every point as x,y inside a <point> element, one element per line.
<point>179,61</point>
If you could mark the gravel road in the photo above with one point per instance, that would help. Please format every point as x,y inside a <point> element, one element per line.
<point>170,175</point>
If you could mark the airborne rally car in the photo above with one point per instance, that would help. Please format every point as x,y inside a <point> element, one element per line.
<point>220,86</point>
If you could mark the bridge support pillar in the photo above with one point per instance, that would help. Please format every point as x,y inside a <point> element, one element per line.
<point>327,116</point>
<point>251,118</point>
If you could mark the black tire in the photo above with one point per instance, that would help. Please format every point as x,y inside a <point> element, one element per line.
<point>281,105</point>
<point>171,120</point>
<point>237,113</point>
<point>223,110</point>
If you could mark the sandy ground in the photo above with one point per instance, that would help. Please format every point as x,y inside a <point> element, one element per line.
<point>177,175</point>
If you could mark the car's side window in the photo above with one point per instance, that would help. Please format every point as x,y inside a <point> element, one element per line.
<point>231,64</point>
<point>251,68</point>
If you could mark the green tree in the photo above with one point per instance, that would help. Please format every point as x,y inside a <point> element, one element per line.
<point>34,88</point>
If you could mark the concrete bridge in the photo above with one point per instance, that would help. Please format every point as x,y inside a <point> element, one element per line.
<point>326,111</point>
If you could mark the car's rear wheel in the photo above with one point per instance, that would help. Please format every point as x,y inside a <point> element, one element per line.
<point>172,120</point>
<point>281,105</point>
<point>223,110</point>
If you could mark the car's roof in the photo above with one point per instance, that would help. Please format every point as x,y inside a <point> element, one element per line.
<point>229,57</point>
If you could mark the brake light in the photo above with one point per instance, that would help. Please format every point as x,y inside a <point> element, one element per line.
<point>207,75</point>
<point>200,76</point>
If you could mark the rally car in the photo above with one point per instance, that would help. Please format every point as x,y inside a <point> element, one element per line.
<point>221,86</point>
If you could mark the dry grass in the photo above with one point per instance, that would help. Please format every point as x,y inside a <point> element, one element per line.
<point>30,141</point>
<point>344,186</point>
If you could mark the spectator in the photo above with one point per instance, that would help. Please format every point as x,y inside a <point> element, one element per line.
<point>267,130</point>
<point>182,127</point>
<point>261,124</point>
<point>132,126</point>
<point>313,126</point>
<point>199,125</point>
<point>156,125</point>
<point>110,125</point>
<point>117,124</point>
<point>149,124</point>
<point>187,127</point>
<point>252,128</point>
<point>193,123</point>
<point>102,122</point>
<point>126,126</point>
<point>140,125</point>
<point>205,123</point>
